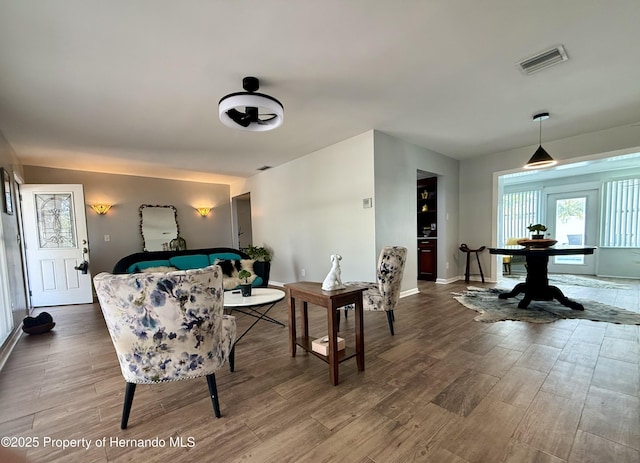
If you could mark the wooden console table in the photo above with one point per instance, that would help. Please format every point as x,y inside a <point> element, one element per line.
<point>310,292</point>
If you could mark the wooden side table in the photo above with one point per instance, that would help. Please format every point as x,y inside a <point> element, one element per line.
<point>311,292</point>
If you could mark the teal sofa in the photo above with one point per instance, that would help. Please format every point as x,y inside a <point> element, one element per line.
<point>230,260</point>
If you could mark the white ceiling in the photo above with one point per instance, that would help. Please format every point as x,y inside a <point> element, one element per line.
<point>132,86</point>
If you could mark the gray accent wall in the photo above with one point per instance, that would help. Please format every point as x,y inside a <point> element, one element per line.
<point>127,193</point>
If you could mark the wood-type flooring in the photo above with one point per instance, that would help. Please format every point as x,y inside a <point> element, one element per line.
<point>445,388</point>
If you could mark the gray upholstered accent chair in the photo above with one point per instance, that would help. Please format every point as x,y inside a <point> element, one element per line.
<point>167,327</point>
<point>383,294</point>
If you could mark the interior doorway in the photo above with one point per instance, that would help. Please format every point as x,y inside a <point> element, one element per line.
<point>243,234</point>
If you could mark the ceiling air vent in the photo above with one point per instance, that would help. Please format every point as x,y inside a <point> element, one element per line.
<point>543,60</point>
<point>264,168</point>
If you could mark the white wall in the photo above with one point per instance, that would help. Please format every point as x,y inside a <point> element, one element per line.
<point>311,207</point>
<point>396,166</point>
<point>478,188</point>
<point>12,266</point>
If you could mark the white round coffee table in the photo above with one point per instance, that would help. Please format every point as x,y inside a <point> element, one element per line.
<point>259,296</point>
<point>253,306</point>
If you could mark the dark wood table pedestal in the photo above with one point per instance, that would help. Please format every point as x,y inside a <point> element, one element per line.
<point>536,287</point>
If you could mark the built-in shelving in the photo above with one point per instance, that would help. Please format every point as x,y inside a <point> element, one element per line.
<point>427,190</point>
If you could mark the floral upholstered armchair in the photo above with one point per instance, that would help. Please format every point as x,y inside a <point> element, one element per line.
<point>167,327</point>
<point>383,295</point>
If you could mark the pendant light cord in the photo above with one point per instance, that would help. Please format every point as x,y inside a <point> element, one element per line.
<point>540,136</point>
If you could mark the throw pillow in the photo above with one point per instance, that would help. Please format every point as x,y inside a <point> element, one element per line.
<point>223,256</point>
<point>230,268</point>
<point>189,261</point>
<point>139,266</point>
<point>160,269</point>
<point>247,264</point>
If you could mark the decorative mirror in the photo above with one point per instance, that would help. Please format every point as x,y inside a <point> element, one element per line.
<point>158,226</point>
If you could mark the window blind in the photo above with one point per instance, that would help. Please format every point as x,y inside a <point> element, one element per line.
<point>520,209</point>
<point>621,213</point>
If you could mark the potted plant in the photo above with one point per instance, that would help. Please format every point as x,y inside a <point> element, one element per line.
<point>262,257</point>
<point>259,254</point>
<point>246,286</point>
<point>537,231</point>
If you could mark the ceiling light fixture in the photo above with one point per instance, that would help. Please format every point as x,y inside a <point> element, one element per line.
<point>249,110</point>
<point>540,158</point>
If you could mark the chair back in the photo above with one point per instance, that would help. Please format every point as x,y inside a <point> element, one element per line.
<point>166,326</point>
<point>389,274</point>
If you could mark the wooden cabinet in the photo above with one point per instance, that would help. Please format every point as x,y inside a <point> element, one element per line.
<point>427,190</point>
<point>427,260</point>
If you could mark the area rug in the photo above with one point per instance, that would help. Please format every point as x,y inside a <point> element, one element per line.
<point>491,309</point>
<point>558,279</point>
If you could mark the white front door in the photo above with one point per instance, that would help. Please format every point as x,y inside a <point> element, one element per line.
<point>573,220</point>
<point>55,229</point>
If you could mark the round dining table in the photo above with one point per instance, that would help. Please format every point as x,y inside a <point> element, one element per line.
<point>536,287</point>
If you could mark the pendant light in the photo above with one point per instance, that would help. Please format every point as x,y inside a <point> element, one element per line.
<point>540,158</point>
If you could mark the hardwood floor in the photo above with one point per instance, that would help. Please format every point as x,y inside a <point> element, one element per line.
<point>445,388</point>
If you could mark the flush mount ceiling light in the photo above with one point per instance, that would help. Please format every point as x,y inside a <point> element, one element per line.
<point>249,110</point>
<point>540,158</point>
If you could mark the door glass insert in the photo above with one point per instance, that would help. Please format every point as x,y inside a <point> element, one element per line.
<point>570,226</point>
<point>54,213</point>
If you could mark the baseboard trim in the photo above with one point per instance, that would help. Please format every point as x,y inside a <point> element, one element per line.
<point>8,346</point>
<point>409,292</point>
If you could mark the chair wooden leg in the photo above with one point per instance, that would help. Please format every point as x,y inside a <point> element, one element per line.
<point>390,319</point>
<point>129,391</point>
<point>213,392</point>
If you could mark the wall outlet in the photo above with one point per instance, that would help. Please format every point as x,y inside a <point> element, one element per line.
<point>303,273</point>
<point>447,266</point>
<point>107,237</point>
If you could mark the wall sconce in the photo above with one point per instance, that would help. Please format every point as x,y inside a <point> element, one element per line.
<point>101,209</point>
<point>203,211</point>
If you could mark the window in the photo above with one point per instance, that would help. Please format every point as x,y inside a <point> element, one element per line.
<point>621,213</point>
<point>520,209</point>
